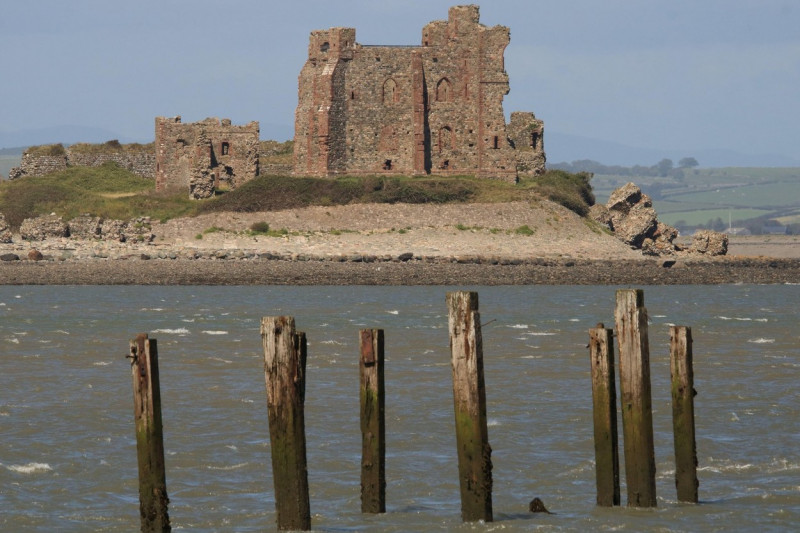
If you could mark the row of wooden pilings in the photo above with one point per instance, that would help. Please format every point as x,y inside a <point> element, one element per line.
<point>285,365</point>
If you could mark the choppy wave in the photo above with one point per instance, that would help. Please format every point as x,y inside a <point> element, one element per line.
<point>518,326</point>
<point>761,340</point>
<point>175,331</point>
<point>393,312</point>
<point>742,318</point>
<point>214,332</point>
<point>230,467</point>
<point>30,468</point>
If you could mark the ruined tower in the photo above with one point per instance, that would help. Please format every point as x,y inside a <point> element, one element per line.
<point>436,108</point>
<point>198,157</point>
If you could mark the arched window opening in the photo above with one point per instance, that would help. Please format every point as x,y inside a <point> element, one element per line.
<point>387,165</point>
<point>444,91</point>
<point>496,142</point>
<point>390,92</point>
<point>534,139</point>
<point>324,46</point>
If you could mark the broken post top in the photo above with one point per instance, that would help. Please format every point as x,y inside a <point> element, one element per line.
<point>634,297</point>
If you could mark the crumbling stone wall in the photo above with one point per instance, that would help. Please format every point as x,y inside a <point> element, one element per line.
<point>413,110</point>
<point>46,159</point>
<point>40,160</point>
<point>140,159</point>
<point>526,134</point>
<point>198,157</point>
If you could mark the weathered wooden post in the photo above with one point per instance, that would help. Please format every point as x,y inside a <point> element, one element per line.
<point>682,377</point>
<point>373,423</point>
<point>637,416</point>
<point>469,396</point>
<point>604,400</point>
<point>285,376</point>
<point>153,498</point>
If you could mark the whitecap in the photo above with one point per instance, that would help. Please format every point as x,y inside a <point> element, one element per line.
<point>62,332</point>
<point>518,326</point>
<point>2,304</point>
<point>187,320</point>
<point>540,334</point>
<point>102,363</point>
<point>574,319</point>
<point>176,331</point>
<point>18,296</point>
<point>152,309</point>
<point>332,342</point>
<point>30,468</point>
<point>393,312</point>
<point>492,422</point>
<point>13,340</point>
<point>231,467</point>
<point>761,340</point>
<point>221,360</point>
<point>214,332</point>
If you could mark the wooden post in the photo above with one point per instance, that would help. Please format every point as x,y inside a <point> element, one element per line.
<point>604,399</point>
<point>637,416</point>
<point>683,393</point>
<point>285,376</point>
<point>469,398</point>
<point>153,498</point>
<point>373,423</point>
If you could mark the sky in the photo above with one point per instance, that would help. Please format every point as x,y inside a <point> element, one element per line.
<point>684,75</point>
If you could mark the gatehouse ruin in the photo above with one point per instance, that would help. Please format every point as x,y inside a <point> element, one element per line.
<point>436,108</point>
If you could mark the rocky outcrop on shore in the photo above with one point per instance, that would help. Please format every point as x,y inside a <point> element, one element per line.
<point>629,213</point>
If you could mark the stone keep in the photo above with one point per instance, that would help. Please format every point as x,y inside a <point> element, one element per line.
<point>197,157</point>
<point>413,110</point>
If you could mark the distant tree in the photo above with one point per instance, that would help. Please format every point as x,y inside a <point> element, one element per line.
<point>664,166</point>
<point>688,162</point>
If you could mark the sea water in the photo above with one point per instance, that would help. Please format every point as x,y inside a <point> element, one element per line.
<point>68,449</point>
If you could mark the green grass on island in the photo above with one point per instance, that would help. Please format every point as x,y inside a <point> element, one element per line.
<point>110,191</point>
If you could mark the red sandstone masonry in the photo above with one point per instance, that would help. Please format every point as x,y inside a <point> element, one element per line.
<point>198,157</point>
<point>413,110</point>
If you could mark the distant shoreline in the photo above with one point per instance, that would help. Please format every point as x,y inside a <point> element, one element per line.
<point>282,272</point>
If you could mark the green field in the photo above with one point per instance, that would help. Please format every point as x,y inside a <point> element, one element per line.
<point>737,196</point>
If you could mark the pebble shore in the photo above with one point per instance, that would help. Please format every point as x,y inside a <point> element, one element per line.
<point>369,244</point>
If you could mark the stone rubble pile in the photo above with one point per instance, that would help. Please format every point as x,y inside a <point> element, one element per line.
<point>630,215</point>
<point>83,227</point>
<point>5,231</point>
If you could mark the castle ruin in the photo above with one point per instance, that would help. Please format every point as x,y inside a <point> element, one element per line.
<point>199,157</point>
<point>436,108</point>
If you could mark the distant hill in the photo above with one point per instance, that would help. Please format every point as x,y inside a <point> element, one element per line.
<point>68,134</point>
<point>562,147</point>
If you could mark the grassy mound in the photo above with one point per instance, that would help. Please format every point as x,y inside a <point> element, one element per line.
<point>108,191</point>
<point>112,192</point>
